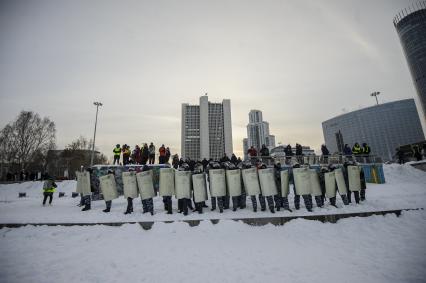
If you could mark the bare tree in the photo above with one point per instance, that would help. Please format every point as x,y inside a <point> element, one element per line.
<point>26,138</point>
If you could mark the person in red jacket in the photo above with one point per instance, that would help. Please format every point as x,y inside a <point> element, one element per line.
<point>252,152</point>
<point>162,157</point>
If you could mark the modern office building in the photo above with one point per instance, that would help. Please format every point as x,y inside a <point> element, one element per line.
<point>384,127</point>
<point>206,130</point>
<point>410,24</point>
<point>245,148</point>
<point>258,132</point>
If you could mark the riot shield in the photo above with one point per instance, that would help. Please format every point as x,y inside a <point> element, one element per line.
<point>167,182</point>
<point>108,187</point>
<point>285,187</point>
<point>233,182</point>
<point>251,181</point>
<point>130,186</point>
<point>330,184</point>
<point>199,187</point>
<point>354,178</point>
<point>217,182</point>
<point>302,181</point>
<point>183,184</point>
<point>145,184</point>
<point>340,180</point>
<point>315,183</point>
<point>268,185</point>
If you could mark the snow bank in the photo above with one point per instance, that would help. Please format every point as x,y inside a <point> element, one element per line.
<point>374,249</point>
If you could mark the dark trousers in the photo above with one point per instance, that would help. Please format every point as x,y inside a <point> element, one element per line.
<point>151,158</point>
<point>116,159</point>
<point>167,200</point>
<point>148,206</point>
<point>50,195</point>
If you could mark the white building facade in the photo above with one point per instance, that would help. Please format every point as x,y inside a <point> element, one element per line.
<point>258,132</point>
<point>206,130</point>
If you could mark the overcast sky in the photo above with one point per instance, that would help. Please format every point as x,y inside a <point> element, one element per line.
<point>300,62</point>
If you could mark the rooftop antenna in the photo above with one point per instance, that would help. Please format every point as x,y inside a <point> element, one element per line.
<point>375,94</point>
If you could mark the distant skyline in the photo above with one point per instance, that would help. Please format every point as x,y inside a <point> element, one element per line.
<point>299,62</point>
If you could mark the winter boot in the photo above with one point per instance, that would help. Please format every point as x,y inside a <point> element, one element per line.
<point>318,200</point>
<point>235,203</point>
<point>213,204</point>
<point>270,201</point>
<point>349,195</point>
<point>169,206</point>
<point>278,202</point>
<point>297,202</point>
<point>220,204</point>
<point>226,202</point>
<point>108,206</point>
<point>333,201</point>
<point>129,206</point>
<point>254,203</point>
<point>362,194</point>
<point>180,205</point>
<point>345,199</point>
<point>262,203</point>
<point>87,203</point>
<point>185,206</point>
<point>356,194</point>
<point>308,202</point>
<point>285,204</point>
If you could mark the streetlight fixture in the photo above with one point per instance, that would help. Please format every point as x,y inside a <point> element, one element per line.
<point>94,134</point>
<point>375,94</point>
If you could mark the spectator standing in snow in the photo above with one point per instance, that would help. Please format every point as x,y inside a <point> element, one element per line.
<point>48,190</point>
<point>175,161</point>
<point>151,150</point>
<point>252,152</point>
<point>167,154</point>
<point>126,154</point>
<point>145,154</point>
<point>299,153</point>
<point>162,156</point>
<point>264,151</point>
<point>117,152</point>
<point>137,155</point>
<point>325,153</point>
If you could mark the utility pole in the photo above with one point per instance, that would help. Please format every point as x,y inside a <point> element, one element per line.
<point>375,94</point>
<point>94,134</point>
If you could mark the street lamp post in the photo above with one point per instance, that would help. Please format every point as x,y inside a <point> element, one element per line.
<point>375,94</point>
<point>94,134</point>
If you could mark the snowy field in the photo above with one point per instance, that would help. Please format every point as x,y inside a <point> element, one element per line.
<point>373,249</point>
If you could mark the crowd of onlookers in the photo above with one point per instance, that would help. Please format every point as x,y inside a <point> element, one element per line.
<point>416,151</point>
<point>140,155</point>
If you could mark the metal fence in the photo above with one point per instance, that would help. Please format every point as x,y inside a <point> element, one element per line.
<point>316,159</point>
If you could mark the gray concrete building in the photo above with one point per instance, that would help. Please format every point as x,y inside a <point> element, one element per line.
<point>258,132</point>
<point>206,130</point>
<point>410,24</point>
<point>384,127</point>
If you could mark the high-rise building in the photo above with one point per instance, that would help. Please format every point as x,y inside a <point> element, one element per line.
<point>206,130</point>
<point>383,127</point>
<point>258,132</point>
<point>410,24</point>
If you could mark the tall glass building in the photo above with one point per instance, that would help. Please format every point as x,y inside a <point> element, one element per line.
<point>410,24</point>
<point>384,127</point>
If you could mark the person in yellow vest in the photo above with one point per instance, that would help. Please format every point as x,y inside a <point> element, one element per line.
<point>356,149</point>
<point>117,153</point>
<point>48,190</point>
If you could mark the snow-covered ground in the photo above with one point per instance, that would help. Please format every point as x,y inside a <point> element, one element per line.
<point>373,249</point>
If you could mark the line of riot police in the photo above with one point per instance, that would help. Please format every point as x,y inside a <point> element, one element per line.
<point>225,182</point>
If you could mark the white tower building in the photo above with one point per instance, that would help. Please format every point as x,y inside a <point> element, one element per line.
<point>206,130</point>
